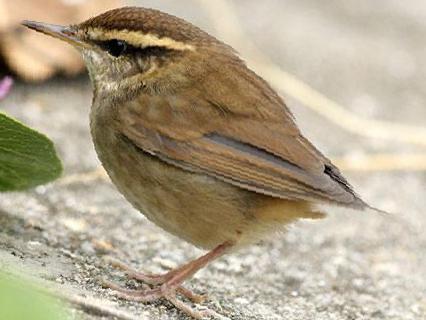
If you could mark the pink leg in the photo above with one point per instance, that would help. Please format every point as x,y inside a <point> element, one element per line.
<point>169,284</point>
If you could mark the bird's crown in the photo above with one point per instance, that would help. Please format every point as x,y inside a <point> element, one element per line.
<point>142,27</point>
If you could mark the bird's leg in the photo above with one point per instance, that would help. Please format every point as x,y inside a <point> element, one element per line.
<point>169,284</point>
<point>153,280</point>
<point>134,274</point>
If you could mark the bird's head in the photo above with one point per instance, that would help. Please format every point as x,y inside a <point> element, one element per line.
<point>131,49</point>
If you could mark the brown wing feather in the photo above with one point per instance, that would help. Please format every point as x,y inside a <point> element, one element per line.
<point>249,140</point>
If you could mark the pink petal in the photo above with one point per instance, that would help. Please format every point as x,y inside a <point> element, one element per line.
<point>5,86</point>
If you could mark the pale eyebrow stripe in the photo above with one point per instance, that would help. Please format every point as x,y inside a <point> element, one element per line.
<point>138,39</point>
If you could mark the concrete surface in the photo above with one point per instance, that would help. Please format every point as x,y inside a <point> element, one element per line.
<point>368,56</point>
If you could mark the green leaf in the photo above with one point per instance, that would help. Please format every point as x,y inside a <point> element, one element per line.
<point>21,300</point>
<point>27,158</point>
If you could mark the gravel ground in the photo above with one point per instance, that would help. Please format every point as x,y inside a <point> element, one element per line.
<point>368,56</point>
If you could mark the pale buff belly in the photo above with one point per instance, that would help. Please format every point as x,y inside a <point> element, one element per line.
<point>196,208</point>
<point>199,209</point>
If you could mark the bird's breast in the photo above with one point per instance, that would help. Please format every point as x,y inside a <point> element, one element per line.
<point>193,206</point>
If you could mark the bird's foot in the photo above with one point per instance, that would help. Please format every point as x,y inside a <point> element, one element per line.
<point>169,285</point>
<point>153,280</point>
<point>161,292</point>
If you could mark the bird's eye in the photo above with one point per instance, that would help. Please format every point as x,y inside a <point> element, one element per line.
<point>115,48</point>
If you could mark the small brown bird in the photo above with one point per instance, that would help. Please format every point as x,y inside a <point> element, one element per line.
<point>195,140</point>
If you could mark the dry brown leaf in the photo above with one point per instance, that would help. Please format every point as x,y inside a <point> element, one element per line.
<point>36,57</point>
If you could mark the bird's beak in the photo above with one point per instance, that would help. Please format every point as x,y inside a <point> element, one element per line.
<point>66,34</point>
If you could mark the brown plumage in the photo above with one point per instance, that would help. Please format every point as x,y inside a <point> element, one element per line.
<point>147,21</point>
<point>196,141</point>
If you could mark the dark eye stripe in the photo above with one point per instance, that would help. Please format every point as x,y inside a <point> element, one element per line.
<point>115,48</point>
<point>118,48</point>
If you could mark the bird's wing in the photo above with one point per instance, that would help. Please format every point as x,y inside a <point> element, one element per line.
<point>250,141</point>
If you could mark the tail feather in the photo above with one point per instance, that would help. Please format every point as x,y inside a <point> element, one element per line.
<point>357,203</point>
